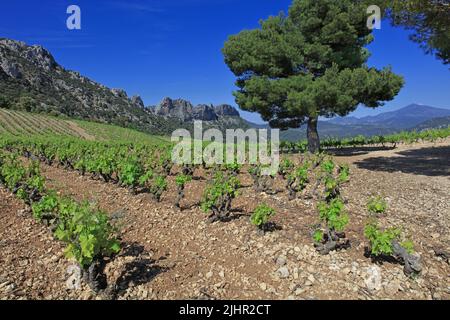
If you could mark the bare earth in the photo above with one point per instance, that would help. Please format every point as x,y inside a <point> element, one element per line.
<point>170,254</point>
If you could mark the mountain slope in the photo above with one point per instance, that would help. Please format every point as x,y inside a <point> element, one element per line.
<point>31,80</point>
<point>436,123</point>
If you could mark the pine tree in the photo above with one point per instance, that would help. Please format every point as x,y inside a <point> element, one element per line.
<point>308,64</point>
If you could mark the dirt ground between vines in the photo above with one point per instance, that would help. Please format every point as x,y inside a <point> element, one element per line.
<point>170,254</point>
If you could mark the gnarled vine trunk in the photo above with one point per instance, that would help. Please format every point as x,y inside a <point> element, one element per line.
<point>94,275</point>
<point>180,197</point>
<point>412,263</point>
<point>313,135</point>
<point>332,241</point>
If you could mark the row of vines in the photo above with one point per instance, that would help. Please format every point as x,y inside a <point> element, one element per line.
<point>90,236</point>
<point>404,137</point>
<point>87,233</point>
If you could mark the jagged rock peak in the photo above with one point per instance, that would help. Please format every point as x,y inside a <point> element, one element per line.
<point>226,110</point>
<point>137,100</point>
<point>184,110</point>
<point>205,112</point>
<point>179,108</point>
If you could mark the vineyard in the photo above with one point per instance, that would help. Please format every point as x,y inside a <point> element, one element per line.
<point>24,123</point>
<point>18,123</point>
<point>404,137</point>
<point>124,213</point>
<point>301,152</point>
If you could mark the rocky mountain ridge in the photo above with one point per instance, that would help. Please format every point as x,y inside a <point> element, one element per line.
<point>31,80</point>
<point>184,110</point>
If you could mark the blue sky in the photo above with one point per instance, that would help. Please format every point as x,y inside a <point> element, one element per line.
<point>159,48</point>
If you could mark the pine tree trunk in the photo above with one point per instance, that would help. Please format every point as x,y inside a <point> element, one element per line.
<point>313,135</point>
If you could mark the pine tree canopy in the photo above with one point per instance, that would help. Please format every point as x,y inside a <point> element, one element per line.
<point>307,64</point>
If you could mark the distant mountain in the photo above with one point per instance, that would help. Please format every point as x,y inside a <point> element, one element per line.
<point>330,130</point>
<point>404,118</point>
<point>436,123</point>
<point>345,121</point>
<point>413,117</point>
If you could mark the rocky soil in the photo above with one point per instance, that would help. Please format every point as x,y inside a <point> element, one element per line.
<point>173,254</point>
